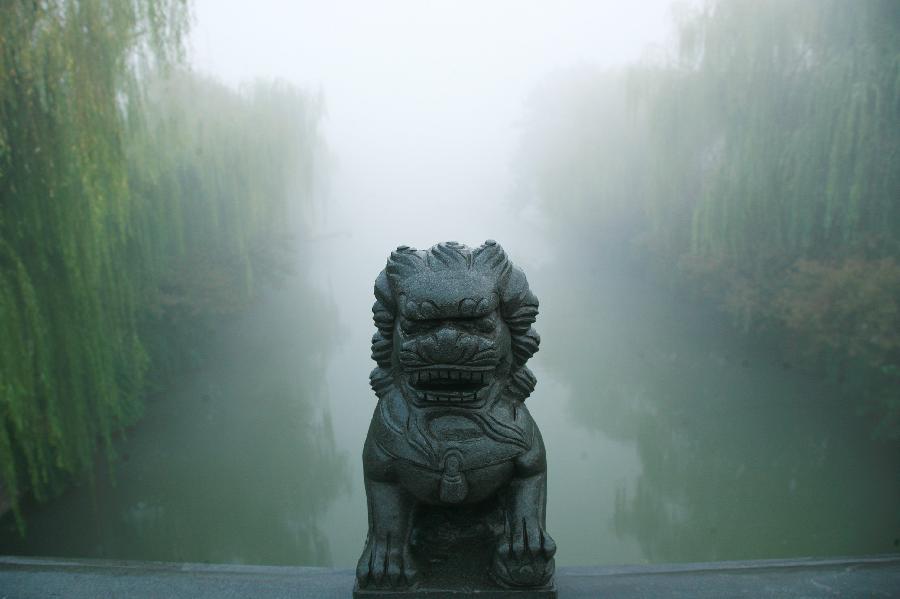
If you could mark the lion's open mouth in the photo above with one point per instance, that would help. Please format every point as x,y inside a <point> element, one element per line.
<point>449,384</point>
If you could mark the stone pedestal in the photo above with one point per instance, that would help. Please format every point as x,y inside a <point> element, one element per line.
<point>454,548</point>
<point>459,593</point>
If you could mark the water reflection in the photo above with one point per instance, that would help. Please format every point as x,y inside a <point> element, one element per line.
<point>668,438</point>
<point>739,455</point>
<point>237,464</point>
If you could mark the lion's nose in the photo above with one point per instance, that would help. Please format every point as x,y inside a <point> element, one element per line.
<point>446,345</point>
<point>446,341</point>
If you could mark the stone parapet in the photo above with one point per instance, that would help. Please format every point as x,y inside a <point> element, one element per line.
<point>852,577</point>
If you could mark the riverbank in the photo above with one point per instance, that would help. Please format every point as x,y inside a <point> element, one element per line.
<point>863,577</point>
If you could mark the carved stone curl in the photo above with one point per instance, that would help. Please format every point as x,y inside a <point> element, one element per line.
<point>455,469</point>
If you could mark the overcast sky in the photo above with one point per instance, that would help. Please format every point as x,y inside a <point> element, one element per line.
<point>422,97</point>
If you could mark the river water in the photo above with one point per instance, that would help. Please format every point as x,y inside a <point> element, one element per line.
<point>669,437</point>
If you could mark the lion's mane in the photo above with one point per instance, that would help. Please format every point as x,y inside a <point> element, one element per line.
<point>518,306</point>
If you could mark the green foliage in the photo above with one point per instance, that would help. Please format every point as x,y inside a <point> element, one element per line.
<point>117,188</point>
<point>72,364</point>
<point>217,172</point>
<point>850,306</point>
<point>805,96</point>
<point>759,162</point>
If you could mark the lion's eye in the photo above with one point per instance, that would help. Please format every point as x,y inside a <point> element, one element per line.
<point>486,324</point>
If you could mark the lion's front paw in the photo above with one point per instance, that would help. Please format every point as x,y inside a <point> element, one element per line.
<point>524,556</point>
<point>386,563</point>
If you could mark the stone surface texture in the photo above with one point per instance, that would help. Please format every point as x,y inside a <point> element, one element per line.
<point>455,469</point>
<point>849,578</point>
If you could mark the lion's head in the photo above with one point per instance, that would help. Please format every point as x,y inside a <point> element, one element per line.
<point>454,326</point>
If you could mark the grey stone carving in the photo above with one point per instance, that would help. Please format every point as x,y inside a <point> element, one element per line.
<point>455,469</point>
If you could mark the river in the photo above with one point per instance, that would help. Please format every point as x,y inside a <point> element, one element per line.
<point>669,436</point>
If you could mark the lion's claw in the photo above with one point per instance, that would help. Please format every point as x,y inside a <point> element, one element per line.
<point>385,564</point>
<point>524,555</point>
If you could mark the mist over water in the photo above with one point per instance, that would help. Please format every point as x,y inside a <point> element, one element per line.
<point>424,99</point>
<point>424,108</point>
<point>669,436</point>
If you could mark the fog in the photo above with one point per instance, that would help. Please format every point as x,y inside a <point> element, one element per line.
<point>423,99</point>
<point>424,104</point>
<point>703,197</point>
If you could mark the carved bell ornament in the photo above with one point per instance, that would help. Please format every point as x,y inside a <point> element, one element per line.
<point>455,469</point>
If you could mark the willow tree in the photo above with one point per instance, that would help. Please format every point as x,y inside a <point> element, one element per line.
<point>136,199</point>
<point>806,97</point>
<point>71,365</point>
<point>797,218</point>
<point>220,182</point>
<point>759,158</point>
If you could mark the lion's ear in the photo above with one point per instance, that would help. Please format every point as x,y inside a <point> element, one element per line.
<point>381,381</point>
<point>519,304</point>
<point>521,383</point>
<point>382,347</point>
<point>383,293</point>
<point>525,345</point>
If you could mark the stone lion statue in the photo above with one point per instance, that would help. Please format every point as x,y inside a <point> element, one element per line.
<point>452,454</point>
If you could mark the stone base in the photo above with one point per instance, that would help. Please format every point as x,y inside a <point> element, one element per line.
<point>453,548</point>
<point>435,593</point>
<point>848,578</point>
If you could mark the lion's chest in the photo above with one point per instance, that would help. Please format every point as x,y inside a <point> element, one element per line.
<point>449,457</point>
<point>466,487</point>
<point>454,430</point>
